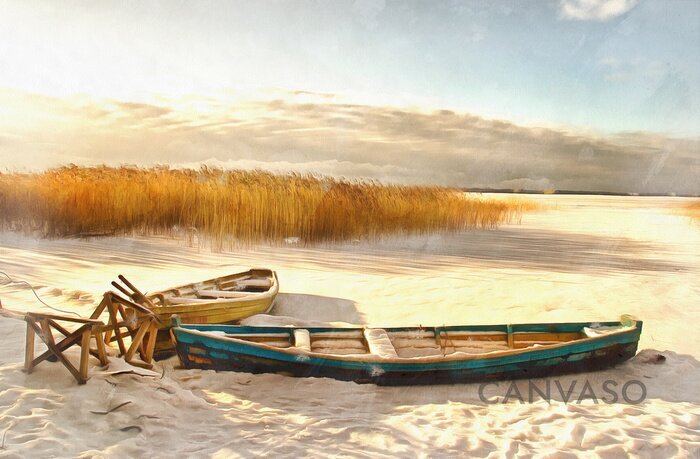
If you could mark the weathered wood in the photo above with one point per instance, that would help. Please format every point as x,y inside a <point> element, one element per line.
<point>58,327</point>
<point>37,316</point>
<point>510,335</point>
<point>198,347</point>
<point>123,301</point>
<point>121,289</point>
<point>101,351</point>
<point>128,320</point>
<point>51,344</point>
<point>85,353</point>
<point>151,344</point>
<point>141,297</point>
<point>62,346</point>
<point>114,323</point>
<point>136,341</point>
<point>29,350</point>
<point>43,325</point>
<point>224,303</point>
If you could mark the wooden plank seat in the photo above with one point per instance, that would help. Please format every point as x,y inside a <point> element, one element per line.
<point>242,284</point>
<point>208,293</point>
<point>44,325</point>
<point>379,343</point>
<point>302,339</point>
<point>168,300</point>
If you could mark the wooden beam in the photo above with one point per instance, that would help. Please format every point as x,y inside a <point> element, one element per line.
<point>151,345</point>
<point>85,353</point>
<point>51,344</point>
<point>29,351</point>
<point>510,335</point>
<point>122,289</point>
<point>114,324</point>
<point>101,351</point>
<point>138,292</point>
<point>136,341</point>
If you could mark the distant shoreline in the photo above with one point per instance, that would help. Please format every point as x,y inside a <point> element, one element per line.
<point>575,192</point>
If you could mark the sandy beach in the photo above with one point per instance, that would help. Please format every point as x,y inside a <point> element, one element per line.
<point>582,258</point>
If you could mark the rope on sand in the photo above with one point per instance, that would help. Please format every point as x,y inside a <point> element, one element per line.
<point>12,281</point>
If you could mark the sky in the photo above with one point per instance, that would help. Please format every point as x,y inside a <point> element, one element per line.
<point>600,95</point>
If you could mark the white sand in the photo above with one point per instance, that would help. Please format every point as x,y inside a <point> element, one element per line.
<point>588,258</point>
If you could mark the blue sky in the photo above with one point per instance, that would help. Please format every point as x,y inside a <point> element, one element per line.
<point>596,68</point>
<point>638,68</point>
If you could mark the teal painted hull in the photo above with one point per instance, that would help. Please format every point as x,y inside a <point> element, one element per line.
<point>197,350</point>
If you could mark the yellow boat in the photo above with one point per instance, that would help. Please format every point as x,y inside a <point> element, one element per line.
<point>214,301</point>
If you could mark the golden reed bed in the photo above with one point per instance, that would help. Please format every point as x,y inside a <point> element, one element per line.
<point>693,210</point>
<point>235,206</point>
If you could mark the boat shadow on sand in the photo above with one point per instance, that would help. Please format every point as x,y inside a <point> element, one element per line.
<point>304,308</point>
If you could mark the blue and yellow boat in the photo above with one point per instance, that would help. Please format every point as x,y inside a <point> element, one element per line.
<point>409,355</point>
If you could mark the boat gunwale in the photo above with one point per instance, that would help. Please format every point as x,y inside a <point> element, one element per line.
<point>241,274</point>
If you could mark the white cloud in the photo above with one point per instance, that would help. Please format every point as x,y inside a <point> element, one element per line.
<point>594,10</point>
<point>309,134</point>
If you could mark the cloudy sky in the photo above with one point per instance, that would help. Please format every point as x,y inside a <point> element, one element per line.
<point>575,94</point>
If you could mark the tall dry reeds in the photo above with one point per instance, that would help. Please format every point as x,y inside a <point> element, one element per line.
<point>234,206</point>
<point>693,210</point>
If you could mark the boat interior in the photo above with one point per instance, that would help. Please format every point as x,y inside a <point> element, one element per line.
<point>234,286</point>
<point>408,343</point>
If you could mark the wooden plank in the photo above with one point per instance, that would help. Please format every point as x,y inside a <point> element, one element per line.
<point>144,322</point>
<point>29,351</point>
<point>121,289</point>
<point>38,316</point>
<point>100,307</point>
<point>151,345</point>
<point>213,308</point>
<point>85,353</point>
<point>417,334</point>
<point>539,336</point>
<point>136,342</point>
<point>219,294</point>
<point>118,299</point>
<point>138,292</point>
<point>474,337</point>
<point>510,336</point>
<point>48,339</point>
<point>101,351</point>
<point>254,336</point>
<point>114,325</point>
<point>60,328</point>
<point>341,334</point>
<point>473,343</point>
<point>60,347</point>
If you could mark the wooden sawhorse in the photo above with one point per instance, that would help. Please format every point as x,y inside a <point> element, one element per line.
<point>128,319</point>
<point>44,324</point>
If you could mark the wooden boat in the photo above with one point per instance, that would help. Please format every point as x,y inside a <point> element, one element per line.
<point>408,356</point>
<point>213,301</point>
